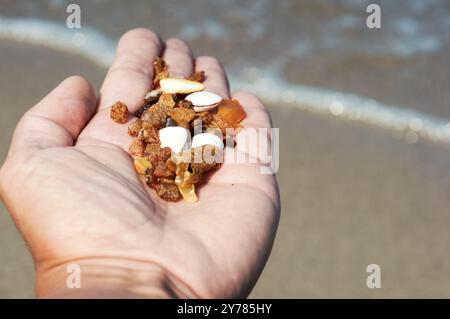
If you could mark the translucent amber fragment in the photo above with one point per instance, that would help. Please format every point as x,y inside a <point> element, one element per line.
<point>231,112</point>
<point>141,164</point>
<point>188,193</point>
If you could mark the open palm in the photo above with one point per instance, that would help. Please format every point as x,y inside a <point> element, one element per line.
<point>70,186</point>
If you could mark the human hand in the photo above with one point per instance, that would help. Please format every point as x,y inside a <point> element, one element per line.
<point>71,189</point>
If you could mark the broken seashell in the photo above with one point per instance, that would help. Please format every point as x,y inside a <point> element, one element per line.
<point>152,96</point>
<point>175,137</point>
<point>175,86</point>
<point>203,101</point>
<point>207,139</point>
<point>199,109</point>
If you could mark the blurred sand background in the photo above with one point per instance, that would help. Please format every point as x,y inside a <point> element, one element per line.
<point>352,194</point>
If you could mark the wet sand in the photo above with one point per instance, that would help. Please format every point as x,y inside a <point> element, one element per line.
<point>28,76</point>
<point>352,195</point>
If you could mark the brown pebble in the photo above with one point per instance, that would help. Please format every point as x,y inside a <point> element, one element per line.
<point>134,128</point>
<point>149,135</point>
<point>197,76</point>
<point>168,191</point>
<point>161,170</point>
<point>184,103</point>
<point>152,118</point>
<point>137,148</point>
<point>119,112</point>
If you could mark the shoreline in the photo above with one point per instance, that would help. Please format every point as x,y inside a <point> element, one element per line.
<point>409,123</point>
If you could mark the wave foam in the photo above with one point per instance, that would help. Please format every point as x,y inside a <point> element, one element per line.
<point>266,83</point>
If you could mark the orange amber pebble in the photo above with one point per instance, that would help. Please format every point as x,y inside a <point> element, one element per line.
<point>141,164</point>
<point>137,148</point>
<point>231,112</point>
<point>119,112</point>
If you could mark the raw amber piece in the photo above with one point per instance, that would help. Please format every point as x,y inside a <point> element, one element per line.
<point>148,134</point>
<point>188,193</point>
<point>141,164</point>
<point>182,116</point>
<point>153,118</point>
<point>119,112</point>
<point>167,100</point>
<point>134,128</point>
<point>167,190</point>
<point>137,148</point>
<point>160,65</point>
<point>231,112</point>
<point>161,70</point>
<point>197,76</point>
<point>161,170</point>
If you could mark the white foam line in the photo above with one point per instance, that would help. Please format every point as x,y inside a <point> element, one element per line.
<point>403,122</point>
<point>267,84</point>
<point>86,41</point>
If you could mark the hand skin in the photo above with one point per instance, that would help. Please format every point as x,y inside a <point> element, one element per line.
<point>69,185</point>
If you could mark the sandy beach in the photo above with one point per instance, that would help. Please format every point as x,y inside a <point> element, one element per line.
<point>352,194</point>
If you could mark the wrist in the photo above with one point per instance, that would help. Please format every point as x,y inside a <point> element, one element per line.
<point>108,278</point>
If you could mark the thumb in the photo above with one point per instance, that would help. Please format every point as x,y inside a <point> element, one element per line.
<point>57,119</point>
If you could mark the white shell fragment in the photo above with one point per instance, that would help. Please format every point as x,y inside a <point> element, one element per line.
<point>174,86</point>
<point>152,95</point>
<point>203,101</point>
<point>207,139</point>
<point>203,108</point>
<point>175,137</point>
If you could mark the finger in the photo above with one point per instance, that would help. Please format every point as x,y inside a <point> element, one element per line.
<point>257,115</point>
<point>131,74</point>
<point>216,80</point>
<point>178,57</point>
<point>128,80</point>
<point>102,129</point>
<point>58,119</point>
<point>255,136</point>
